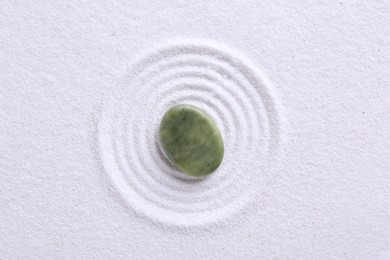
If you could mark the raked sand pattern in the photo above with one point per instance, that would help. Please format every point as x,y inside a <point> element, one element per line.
<point>221,82</point>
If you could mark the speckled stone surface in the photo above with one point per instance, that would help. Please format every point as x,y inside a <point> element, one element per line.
<point>191,140</point>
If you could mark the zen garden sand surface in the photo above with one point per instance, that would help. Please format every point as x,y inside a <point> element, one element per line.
<point>292,160</point>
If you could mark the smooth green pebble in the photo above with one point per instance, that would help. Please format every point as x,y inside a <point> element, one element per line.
<point>191,140</point>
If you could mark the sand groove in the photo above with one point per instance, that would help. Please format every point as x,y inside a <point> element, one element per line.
<point>219,81</point>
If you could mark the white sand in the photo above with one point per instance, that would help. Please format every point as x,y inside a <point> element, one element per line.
<point>83,85</point>
<point>224,85</point>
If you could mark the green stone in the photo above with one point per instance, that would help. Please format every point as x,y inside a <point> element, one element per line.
<point>191,140</point>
